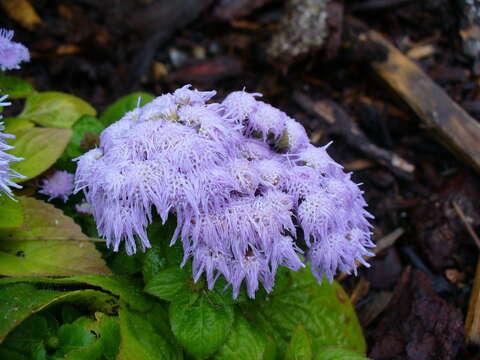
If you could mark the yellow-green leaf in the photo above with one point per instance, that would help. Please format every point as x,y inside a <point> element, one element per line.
<point>11,213</point>
<point>55,109</point>
<point>15,87</point>
<point>15,123</point>
<point>39,148</point>
<point>47,244</point>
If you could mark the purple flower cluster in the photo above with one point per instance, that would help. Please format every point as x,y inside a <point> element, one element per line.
<point>59,185</point>
<point>11,53</point>
<point>243,181</point>
<point>6,173</point>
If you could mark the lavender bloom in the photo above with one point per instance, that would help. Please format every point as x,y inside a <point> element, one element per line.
<point>6,173</point>
<point>239,105</point>
<point>266,120</point>
<point>59,185</point>
<point>11,53</point>
<point>216,168</point>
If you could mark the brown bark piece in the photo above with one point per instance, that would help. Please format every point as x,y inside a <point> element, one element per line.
<point>447,121</point>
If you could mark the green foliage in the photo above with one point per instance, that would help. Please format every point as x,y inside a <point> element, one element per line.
<point>324,310</point>
<point>244,342</point>
<point>48,243</point>
<point>22,300</point>
<point>201,322</point>
<point>11,214</point>
<point>55,109</point>
<point>120,107</point>
<point>15,87</point>
<point>300,347</point>
<point>169,283</point>
<point>85,136</point>
<point>146,336</point>
<point>337,354</point>
<point>39,147</point>
<point>13,124</point>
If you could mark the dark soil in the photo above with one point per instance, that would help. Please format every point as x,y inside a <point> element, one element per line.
<point>415,296</point>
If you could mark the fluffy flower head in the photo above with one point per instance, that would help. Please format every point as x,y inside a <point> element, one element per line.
<point>242,181</point>
<point>59,185</point>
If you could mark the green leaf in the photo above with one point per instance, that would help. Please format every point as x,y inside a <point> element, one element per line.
<point>169,283</point>
<point>300,347</point>
<point>70,313</point>
<point>146,336</point>
<point>47,244</point>
<point>89,352</point>
<point>120,107</point>
<point>11,354</point>
<point>39,147</point>
<point>123,264</point>
<point>22,300</point>
<point>154,261</point>
<point>127,288</point>
<point>243,342</point>
<point>200,323</point>
<point>109,336</point>
<point>324,310</point>
<point>55,109</point>
<point>337,353</point>
<point>85,137</point>
<point>15,123</point>
<point>72,337</point>
<point>161,255</point>
<point>32,332</point>
<point>11,212</point>
<point>15,87</point>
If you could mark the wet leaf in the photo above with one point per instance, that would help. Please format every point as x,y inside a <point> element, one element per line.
<point>55,109</point>
<point>146,337</point>
<point>200,323</point>
<point>243,342</point>
<point>169,283</point>
<point>324,310</point>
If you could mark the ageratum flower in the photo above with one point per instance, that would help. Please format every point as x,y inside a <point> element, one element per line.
<point>6,173</point>
<point>58,185</point>
<point>11,53</point>
<point>242,180</point>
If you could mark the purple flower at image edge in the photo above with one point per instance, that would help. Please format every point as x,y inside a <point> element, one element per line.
<point>11,53</point>
<point>6,173</point>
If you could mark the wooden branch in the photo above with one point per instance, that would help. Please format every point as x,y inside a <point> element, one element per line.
<point>472,321</point>
<point>342,124</point>
<point>438,113</point>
